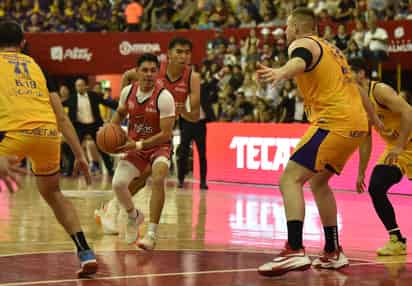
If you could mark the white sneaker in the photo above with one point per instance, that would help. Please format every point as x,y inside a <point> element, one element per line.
<point>109,224</point>
<point>287,260</point>
<point>132,227</point>
<point>148,242</point>
<point>332,260</point>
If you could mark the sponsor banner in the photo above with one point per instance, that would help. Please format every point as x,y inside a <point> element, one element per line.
<point>110,53</point>
<point>104,53</point>
<point>258,153</point>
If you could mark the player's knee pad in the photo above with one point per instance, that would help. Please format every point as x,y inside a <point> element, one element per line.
<point>382,179</point>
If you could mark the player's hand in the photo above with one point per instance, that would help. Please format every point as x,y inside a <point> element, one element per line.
<point>378,124</point>
<point>10,171</point>
<point>81,165</point>
<point>360,184</point>
<point>392,156</point>
<point>268,75</point>
<point>128,146</point>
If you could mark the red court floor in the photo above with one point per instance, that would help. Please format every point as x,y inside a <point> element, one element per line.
<point>214,237</point>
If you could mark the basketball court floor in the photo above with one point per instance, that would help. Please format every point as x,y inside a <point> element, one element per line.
<point>214,237</point>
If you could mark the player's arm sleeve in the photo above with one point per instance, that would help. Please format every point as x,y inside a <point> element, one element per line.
<point>166,104</point>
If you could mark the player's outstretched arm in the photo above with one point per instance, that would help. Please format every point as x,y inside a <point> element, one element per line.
<point>66,127</point>
<point>302,53</point>
<point>194,97</point>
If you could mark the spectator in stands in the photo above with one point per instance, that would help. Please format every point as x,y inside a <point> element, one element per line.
<point>246,20</point>
<point>403,10</point>
<point>358,33</point>
<point>287,105</point>
<point>345,10</point>
<point>318,6</point>
<point>378,6</point>
<point>183,15</point>
<point>34,24</point>
<point>161,21</point>
<point>299,114</point>
<point>328,34</point>
<point>219,13</point>
<point>375,42</point>
<point>64,92</point>
<point>353,51</point>
<point>324,19</point>
<point>341,39</point>
<point>133,12</point>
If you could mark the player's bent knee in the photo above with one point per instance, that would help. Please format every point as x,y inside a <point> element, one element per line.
<point>120,184</point>
<point>383,177</point>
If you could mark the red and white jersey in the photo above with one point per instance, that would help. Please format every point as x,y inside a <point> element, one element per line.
<point>146,109</point>
<point>179,88</point>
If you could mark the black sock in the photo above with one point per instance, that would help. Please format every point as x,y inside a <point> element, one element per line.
<point>398,234</point>
<point>80,241</point>
<point>331,238</point>
<point>295,229</point>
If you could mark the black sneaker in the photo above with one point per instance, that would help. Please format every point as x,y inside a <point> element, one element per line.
<point>180,185</point>
<point>203,186</point>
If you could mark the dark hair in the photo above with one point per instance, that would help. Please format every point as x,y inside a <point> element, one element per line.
<point>11,34</point>
<point>147,57</point>
<point>358,65</point>
<point>179,41</point>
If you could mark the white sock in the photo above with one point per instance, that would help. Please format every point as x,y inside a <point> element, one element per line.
<point>152,228</point>
<point>113,207</point>
<point>132,214</point>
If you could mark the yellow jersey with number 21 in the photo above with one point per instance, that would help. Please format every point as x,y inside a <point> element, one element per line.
<point>24,97</point>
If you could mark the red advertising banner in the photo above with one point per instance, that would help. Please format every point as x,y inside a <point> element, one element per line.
<point>104,53</point>
<point>111,53</point>
<point>257,153</point>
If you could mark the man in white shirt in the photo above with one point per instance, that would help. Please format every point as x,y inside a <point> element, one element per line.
<point>375,42</point>
<point>85,115</point>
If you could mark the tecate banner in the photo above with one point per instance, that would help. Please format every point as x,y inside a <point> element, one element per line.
<point>256,153</point>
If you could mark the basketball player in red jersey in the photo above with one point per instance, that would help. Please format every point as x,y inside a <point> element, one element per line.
<point>151,110</point>
<point>184,84</point>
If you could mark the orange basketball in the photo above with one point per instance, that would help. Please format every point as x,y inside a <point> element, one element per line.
<point>110,137</point>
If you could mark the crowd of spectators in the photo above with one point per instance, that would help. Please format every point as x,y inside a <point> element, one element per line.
<point>228,72</point>
<point>160,15</point>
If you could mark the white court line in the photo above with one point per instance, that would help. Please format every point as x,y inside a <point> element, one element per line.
<point>48,282</point>
<point>132,276</point>
<point>362,260</point>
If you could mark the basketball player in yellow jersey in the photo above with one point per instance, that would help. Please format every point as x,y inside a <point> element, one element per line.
<point>338,125</point>
<point>396,160</point>
<point>29,122</point>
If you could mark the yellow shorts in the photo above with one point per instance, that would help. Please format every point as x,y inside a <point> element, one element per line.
<point>321,149</point>
<point>404,162</point>
<point>41,146</point>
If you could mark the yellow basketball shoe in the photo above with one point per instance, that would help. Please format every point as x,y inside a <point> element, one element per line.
<point>393,247</point>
